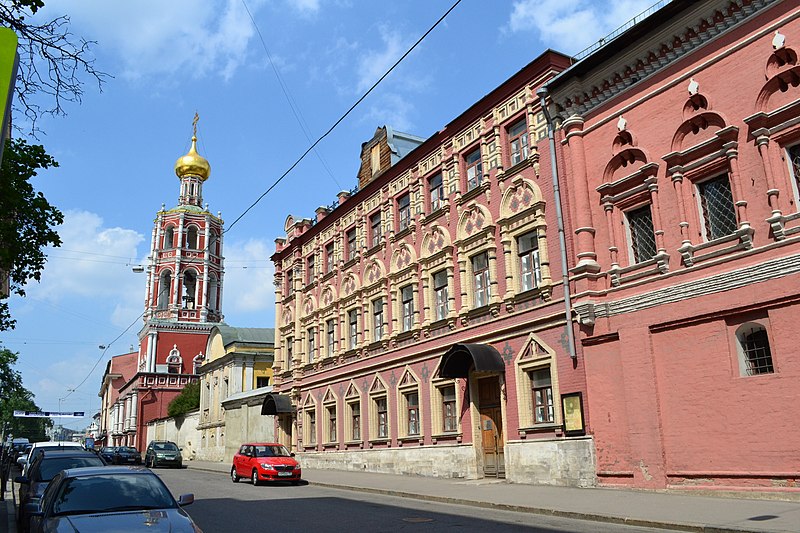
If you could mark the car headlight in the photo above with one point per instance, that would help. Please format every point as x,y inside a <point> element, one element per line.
<point>267,466</point>
<point>297,466</point>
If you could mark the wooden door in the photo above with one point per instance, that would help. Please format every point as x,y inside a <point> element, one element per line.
<point>492,440</point>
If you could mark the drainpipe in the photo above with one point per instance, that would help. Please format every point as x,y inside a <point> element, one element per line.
<point>542,93</point>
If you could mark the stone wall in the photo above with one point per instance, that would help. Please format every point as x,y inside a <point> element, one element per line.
<point>569,463</point>
<point>181,430</point>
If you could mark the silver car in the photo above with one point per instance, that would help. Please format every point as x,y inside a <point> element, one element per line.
<point>110,498</point>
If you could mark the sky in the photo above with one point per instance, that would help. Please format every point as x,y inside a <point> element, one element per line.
<point>267,78</point>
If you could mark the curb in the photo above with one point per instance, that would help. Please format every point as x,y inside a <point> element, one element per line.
<point>592,517</point>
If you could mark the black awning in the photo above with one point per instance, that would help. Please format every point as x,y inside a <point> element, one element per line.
<point>276,404</point>
<point>458,360</point>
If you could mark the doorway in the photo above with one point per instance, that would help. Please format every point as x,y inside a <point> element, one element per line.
<point>492,440</point>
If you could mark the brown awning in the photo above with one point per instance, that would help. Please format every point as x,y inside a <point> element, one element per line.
<point>460,358</point>
<point>276,404</point>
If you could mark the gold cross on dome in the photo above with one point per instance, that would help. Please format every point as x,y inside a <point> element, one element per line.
<point>194,124</point>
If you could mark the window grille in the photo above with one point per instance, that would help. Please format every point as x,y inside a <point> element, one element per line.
<point>757,355</point>
<point>716,201</point>
<point>643,237</point>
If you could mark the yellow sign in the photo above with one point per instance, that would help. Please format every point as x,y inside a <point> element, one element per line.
<point>573,413</point>
<point>9,59</point>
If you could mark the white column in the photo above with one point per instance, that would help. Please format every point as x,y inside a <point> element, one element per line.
<point>151,351</point>
<point>134,402</point>
<point>248,376</point>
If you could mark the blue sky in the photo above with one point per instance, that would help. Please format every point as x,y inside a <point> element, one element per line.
<point>117,149</point>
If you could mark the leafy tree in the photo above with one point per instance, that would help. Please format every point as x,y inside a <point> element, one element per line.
<point>26,220</point>
<point>187,400</point>
<point>14,396</point>
<point>51,61</point>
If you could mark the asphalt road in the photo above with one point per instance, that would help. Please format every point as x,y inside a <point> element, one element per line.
<point>223,506</point>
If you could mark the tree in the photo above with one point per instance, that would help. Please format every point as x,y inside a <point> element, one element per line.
<point>51,61</point>
<point>26,220</point>
<point>187,400</point>
<point>15,397</point>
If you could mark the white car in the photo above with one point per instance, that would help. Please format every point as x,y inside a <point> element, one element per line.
<point>23,462</point>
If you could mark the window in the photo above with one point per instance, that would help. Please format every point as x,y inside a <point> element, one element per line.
<point>403,212</point>
<point>311,349</point>
<point>331,410</point>
<point>375,229</point>
<point>407,300</point>
<point>169,237</point>
<point>643,237</point>
<point>754,350</point>
<point>262,381</point>
<point>377,319</point>
<point>311,426</point>
<point>436,191</point>
<point>382,418</point>
<point>289,350</point>
<point>189,289</point>
<point>518,141</point>
<point>474,169</point>
<point>375,159</point>
<point>213,240</point>
<point>289,281</point>
<point>191,238</point>
<point>164,289</point>
<point>716,202</point>
<point>530,268</point>
<point>449,417</point>
<point>542,394</point>
<point>351,244</point>
<point>794,168</point>
<point>352,321</point>
<point>355,420</point>
<point>480,273</point>
<point>440,301</point>
<point>412,412</point>
<point>330,329</point>
<point>329,257</point>
<point>309,269</point>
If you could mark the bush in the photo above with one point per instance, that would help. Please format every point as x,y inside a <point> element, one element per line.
<point>187,400</point>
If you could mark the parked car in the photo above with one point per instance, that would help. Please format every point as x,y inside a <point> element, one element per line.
<point>43,469</point>
<point>39,447</point>
<point>110,498</point>
<point>121,455</point>
<point>265,461</point>
<point>163,453</point>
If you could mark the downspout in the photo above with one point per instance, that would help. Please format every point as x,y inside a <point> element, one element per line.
<point>542,93</point>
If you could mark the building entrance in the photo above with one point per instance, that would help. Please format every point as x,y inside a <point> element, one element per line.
<point>492,440</point>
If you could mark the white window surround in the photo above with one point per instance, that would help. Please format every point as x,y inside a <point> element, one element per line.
<point>407,386</point>
<point>535,355</point>
<point>437,406</point>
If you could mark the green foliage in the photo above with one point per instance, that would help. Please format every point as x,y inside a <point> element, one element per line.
<point>187,400</point>
<point>26,219</point>
<point>13,396</point>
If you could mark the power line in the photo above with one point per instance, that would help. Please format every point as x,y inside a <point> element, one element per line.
<point>352,107</point>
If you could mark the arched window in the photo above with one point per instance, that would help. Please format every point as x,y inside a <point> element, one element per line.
<point>174,361</point>
<point>191,238</point>
<point>755,356</point>
<point>169,237</point>
<point>213,290</point>
<point>213,240</point>
<point>164,289</point>
<point>189,288</point>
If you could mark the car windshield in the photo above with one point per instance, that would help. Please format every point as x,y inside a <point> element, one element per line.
<point>165,447</point>
<point>271,451</point>
<point>126,449</point>
<point>108,449</point>
<point>111,492</point>
<point>50,466</point>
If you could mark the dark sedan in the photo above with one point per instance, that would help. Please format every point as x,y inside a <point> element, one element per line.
<point>112,498</point>
<point>42,470</point>
<point>126,455</point>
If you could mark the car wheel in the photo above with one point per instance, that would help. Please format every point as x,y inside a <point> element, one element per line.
<point>234,476</point>
<point>255,477</point>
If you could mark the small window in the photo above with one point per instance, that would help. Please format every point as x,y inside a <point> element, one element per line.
<point>191,238</point>
<point>355,420</point>
<point>480,272</point>
<point>407,300</point>
<point>474,168</point>
<point>289,281</point>
<point>403,212</point>
<point>351,244</point>
<point>436,191</point>
<point>352,321</point>
<point>329,257</point>
<point>716,202</point>
<point>311,426</point>
<point>289,350</point>
<point>311,345</point>
<point>755,351</point>
<point>375,229</point>
<point>377,319</point>
<point>542,393</point>
<point>169,238</point>
<point>309,269</point>
<point>412,412</point>
<point>794,168</point>
<point>262,381</point>
<point>331,423</point>
<point>382,418</point>
<point>449,417</point>
<point>330,337</point>
<point>530,267</point>
<point>518,141</point>
<point>440,298</point>
<point>643,236</point>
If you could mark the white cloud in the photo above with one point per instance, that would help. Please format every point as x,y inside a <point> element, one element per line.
<point>305,7</point>
<point>154,38</point>
<point>572,25</point>
<point>248,289</point>
<point>373,64</point>
<point>391,109</point>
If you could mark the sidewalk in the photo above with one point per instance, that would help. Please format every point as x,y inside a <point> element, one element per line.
<point>682,512</point>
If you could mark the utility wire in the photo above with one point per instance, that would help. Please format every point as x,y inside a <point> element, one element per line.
<point>350,110</point>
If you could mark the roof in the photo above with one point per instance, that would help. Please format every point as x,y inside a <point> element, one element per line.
<point>246,335</point>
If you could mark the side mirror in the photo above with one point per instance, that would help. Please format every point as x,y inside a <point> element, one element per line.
<point>185,499</point>
<point>22,461</point>
<point>32,509</point>
<point>180,449</point>
<point>22,480</point>
<point>291,454</point>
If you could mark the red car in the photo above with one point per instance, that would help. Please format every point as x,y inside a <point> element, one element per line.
<point>265,461</point>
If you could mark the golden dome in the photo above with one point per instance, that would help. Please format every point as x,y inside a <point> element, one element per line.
<point>193,164</point>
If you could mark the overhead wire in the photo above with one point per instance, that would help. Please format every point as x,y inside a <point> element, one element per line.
<point>341,118</point>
